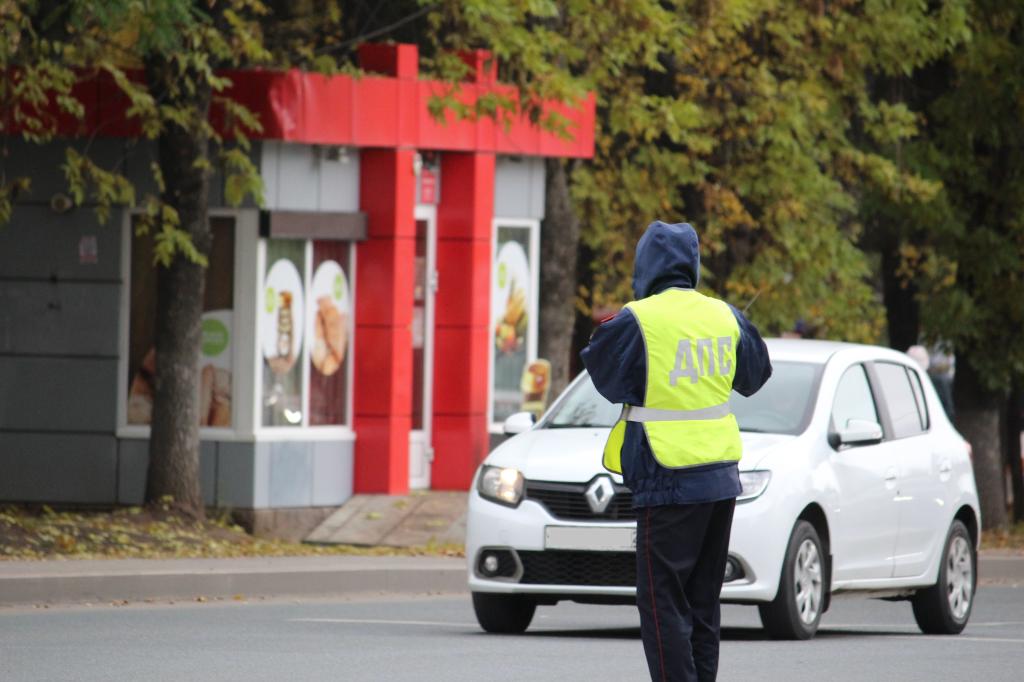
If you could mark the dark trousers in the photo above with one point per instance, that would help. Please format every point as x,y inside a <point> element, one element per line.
<point>680,564</point>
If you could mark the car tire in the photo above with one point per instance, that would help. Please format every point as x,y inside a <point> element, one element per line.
<point>796,610</point>
<point>945,607</point>
<point>506,614</point>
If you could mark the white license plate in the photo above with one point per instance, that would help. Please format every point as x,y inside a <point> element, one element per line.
<point>592,539</point>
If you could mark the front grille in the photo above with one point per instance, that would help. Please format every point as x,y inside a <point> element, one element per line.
<point>571,567</point>
<point>568,501</point>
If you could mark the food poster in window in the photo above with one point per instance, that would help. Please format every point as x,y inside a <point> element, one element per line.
<point>215,357</point>
<point>510,317</point>
<point>281,329</point>
<point>329,315</point>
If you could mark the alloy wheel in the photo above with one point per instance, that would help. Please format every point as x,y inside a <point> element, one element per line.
<point>959,578</point>
<point>807,580</point>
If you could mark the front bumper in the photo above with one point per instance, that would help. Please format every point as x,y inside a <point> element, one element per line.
<point>516,536</point>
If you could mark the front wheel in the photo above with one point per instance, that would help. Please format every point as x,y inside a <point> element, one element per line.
<point>796,610</point>
<point>945,607</point>
<point>506,614</point>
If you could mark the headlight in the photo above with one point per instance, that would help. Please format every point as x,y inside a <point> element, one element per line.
<point>754,483</point>
<point>501,485</point>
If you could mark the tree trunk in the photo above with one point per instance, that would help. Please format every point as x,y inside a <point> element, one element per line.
<point>977,418</point>
<point>1014,425</point>
<point>559,238</point>
<point>174,440</point>
<point>901,308</point>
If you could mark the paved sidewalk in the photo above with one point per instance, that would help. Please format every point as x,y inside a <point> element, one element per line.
<point>100,581</point>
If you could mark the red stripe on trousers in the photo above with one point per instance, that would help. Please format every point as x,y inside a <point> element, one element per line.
<point>650,579</point>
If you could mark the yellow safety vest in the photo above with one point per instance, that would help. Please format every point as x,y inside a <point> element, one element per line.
<point>691,344</point>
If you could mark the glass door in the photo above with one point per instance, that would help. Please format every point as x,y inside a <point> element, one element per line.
<point>421,454</point>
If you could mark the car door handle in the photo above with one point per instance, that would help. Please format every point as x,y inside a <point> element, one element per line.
<point>890,475</point>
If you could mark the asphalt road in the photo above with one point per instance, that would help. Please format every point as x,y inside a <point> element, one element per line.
<point>436,638</point>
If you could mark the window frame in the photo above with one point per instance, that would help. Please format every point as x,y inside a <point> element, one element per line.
<point>246,231</point>
<point>247,360</point>
<point>533,224</point>
<point>343,431</point>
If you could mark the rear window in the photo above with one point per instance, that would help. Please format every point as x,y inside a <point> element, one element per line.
<point>903,400</point>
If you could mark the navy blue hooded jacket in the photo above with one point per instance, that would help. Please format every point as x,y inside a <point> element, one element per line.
<point>666,256</point>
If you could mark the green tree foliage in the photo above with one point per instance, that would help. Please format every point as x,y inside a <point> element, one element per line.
<point>750,127</point>
<point>963,252</point>
<point>164,57</point>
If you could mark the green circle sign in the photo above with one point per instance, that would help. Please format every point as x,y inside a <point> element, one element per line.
<point>271,299</point>
<point>215,337</point>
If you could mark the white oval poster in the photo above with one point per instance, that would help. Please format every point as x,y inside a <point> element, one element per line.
<point>281,316</point>
<point>327,320</point>
<point>510,298</point>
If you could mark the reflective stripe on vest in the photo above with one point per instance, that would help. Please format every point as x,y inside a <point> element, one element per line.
<point>691,342</point>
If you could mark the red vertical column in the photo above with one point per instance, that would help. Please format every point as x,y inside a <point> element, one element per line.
<point>462,321</point>
<point>386,263</point>
<point>384,295</point>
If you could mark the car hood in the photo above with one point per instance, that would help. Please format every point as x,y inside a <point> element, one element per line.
<point>574,455</point>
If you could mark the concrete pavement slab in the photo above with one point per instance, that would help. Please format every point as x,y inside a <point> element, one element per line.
<point>417,519</point>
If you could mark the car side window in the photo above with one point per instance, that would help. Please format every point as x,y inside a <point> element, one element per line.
<point>853,399</point>
<point>901,400</point>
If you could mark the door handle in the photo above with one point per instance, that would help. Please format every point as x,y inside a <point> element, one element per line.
<point>890,474</point>
<point>945,470</point>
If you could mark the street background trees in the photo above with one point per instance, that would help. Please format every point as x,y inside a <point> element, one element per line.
<point>851,166</point>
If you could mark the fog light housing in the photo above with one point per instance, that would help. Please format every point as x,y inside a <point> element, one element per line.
<point>497,564</point>
<point>733,570</point>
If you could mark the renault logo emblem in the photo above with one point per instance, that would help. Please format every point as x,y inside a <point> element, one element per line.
<point>599,495</point>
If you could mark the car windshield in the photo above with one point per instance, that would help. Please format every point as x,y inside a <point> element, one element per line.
<point>783,405</point>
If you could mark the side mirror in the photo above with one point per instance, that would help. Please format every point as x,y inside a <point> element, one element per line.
<point>519,422</point>
<point>860,432</point>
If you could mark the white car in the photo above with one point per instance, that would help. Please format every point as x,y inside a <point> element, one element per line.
<point>853,480</point>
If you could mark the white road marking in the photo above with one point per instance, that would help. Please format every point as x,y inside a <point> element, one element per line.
<point>424,623</point>
<point>363,621</point>
<point>844,628</point>
<point>907,626</point>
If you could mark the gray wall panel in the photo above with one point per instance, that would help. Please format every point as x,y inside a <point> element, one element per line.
<point>70,318</point>
<point>236,474</point>
<point>519,188</point>
<point>58,394</point>
<point>339,183</point>
<point>40,244</point>
<point>332,472</point>
<point>58,468</point>
<point>291,474</point>
<point>133,461</point>
<point>42,163</point>
<point>301,177</point>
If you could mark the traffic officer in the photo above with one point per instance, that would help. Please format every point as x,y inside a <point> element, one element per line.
<point>671,358</point>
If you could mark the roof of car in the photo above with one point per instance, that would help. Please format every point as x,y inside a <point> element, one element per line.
<point>806,350</point>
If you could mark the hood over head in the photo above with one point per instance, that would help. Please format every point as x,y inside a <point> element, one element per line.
<point>666,256</point>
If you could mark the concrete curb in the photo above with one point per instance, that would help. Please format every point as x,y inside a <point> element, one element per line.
<point>25,583</point>
<point>997,567</point>
<point>99,581</point>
